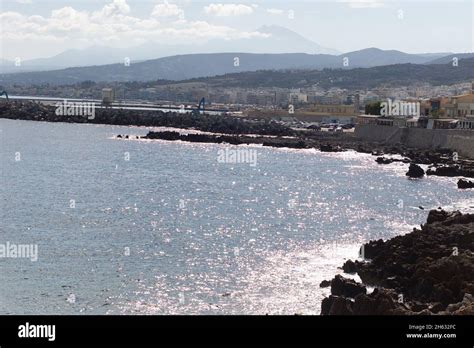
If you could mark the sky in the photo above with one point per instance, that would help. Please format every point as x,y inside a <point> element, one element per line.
<point>44,28</point>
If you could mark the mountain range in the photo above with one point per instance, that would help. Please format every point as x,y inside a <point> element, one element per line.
<point>280,49</point>
<point>277,40</point>
<point>182,67</point>
<point>358,78</point>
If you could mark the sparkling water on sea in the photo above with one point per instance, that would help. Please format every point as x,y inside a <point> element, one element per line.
<point>157,227</point>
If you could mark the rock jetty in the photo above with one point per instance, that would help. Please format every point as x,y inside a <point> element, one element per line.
<point>442,161</point>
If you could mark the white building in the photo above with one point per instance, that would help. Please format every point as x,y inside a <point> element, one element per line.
<point>108,95</point>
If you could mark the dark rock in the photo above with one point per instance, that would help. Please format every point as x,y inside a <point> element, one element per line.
<point>465,184</point>
<point>289,144</point>
<point>163,135</point>
<point>436,307</point>
<point>349,267</point>
<point>329,148</point>
<point>341,286</point>
<point>415,171</point>
<point>379,302</point>
<point>418,306</point>
<point>384,160</point>
<point>442,216</point>
<point>432,267</point>
<point>371,249</point>
<point>326,304</point>
<point>325,284</point>
<point>228,139</point>
<point>336,305</point>
<point>452,171</point>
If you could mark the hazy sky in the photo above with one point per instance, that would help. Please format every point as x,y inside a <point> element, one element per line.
<point>43,28</point>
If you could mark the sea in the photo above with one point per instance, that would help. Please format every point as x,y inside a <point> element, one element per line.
<point>133,226</point>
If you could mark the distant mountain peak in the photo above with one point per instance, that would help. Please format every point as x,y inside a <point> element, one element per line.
<point>371,49</point>
<point>281,33</point>
<point>277,29</point>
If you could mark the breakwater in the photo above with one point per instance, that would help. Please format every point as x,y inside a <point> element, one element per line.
<point>460,141</point>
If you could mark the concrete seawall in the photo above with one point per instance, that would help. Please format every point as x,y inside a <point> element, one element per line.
<point>461,141</point>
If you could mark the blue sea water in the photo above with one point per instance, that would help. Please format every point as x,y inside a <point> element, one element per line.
<point>156,227</point>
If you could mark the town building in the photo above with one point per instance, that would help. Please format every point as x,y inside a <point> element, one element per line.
<point>108,96</point>
<point>462,105</point>
<point>296,97</point>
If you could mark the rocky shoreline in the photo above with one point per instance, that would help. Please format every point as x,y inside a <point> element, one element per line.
<point>236,131</point>
<point>428,271</point>
<point>441,163</point>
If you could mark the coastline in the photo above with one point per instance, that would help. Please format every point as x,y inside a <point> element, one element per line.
<point>429,271</point>
<point>236,131</point>
<point>121,143</point>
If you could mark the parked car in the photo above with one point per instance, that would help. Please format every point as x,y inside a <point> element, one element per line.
<point>348,126</point>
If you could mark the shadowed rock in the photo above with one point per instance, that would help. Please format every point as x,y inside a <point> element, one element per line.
<point>452,171</point>
<point>415,171</point>
<point>349,267</point>
<point>341,286</point>
<point>325,284</point>
<point>465,184</point>
<point>427,271</point>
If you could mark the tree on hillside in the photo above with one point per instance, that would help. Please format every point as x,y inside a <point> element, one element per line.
<point>372,108</point>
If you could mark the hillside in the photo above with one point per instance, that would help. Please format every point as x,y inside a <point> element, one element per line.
<point>190,66</point>
<point>390,75</point>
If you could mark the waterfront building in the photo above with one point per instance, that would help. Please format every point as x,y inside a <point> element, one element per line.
<point>465,124</point>
<point>462,105</point>
<point>367,119</point>
<point>108,96</point>
<point>333,109</point>
<point>442,123</point>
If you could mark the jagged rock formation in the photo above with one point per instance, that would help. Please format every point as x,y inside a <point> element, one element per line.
<point>428,271</point>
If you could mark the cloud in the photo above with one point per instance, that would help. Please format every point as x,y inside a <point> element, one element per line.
<point>24,1</point>
<point>226,10</point>
<point>167,10</point>
<point>275,11</point>
<point>363,3</point>
<point>112,25</point>
<point>116,7</point>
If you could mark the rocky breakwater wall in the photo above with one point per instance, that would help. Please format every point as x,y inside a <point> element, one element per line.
<point>460,141</point>
<point>281,142</point>
<point>32,111</point>
<point>428,271</point>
